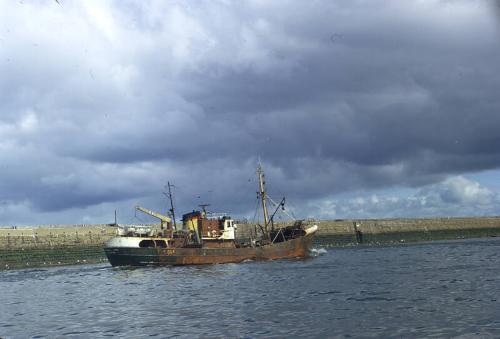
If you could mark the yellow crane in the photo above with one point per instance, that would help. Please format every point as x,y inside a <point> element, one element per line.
<point>163,218</point>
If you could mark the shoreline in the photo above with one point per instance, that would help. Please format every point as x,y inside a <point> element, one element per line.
<point>44,246</point>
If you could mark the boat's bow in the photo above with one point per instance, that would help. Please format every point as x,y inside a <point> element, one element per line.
<point>311,230</point>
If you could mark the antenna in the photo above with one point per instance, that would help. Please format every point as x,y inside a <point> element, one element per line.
<point>203,207</point>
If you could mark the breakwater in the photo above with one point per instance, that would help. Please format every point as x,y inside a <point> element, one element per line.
<point>76,244</point>
<point>392,231</point>
<point>25,247</point>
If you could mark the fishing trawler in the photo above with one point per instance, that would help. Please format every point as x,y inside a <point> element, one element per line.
<point>207,238</point>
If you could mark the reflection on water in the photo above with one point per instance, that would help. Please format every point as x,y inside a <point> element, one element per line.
<point>435,289</point>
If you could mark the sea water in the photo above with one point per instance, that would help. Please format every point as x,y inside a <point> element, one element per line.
<point>435,289</point>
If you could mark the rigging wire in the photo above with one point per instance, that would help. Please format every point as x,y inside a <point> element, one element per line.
<point>136,217</point>
<point>284,210</point>
<point>256,209</point>
<point>292,207</point>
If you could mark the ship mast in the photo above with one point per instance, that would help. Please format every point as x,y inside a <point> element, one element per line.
<point>171,205</point>
<point>262,194</point>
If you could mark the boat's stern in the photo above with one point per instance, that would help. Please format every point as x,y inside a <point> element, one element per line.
<point>123,242</point>
<point>127,251</point>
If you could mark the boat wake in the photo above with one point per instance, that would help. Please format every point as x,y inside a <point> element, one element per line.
<point>317,251</point>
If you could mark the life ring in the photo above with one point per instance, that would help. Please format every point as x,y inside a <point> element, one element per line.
<point>214,233</point>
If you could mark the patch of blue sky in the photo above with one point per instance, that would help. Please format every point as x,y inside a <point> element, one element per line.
<point>489,179</point>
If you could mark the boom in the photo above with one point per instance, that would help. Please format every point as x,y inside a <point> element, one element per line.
<point>163,218</point>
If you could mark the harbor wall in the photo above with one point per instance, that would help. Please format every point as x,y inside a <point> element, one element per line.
<point>25,247</point>
<point>393,231</point>
<point>381,226</point>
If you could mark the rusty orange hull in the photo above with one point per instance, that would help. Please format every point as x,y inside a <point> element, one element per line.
<point>122,256</point>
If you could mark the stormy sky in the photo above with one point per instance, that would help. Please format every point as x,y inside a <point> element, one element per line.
<point>357,109</point>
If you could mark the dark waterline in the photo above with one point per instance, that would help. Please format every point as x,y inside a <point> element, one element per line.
<point>440,289</point>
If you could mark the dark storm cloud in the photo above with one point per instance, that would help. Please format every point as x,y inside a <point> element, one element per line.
<point>106,102</point>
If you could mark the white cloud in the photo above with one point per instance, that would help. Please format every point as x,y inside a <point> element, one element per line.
<point>459,190</point>
<point>453,196</point>
<point>29,122</point>
<point>14,131</point>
